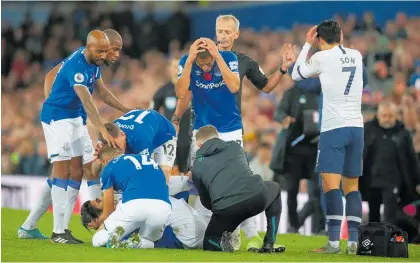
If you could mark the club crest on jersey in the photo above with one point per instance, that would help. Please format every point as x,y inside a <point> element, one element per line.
<point>233,65</point>
<point>308,62</point>
<point>79,78</point>
<point>217,72</point>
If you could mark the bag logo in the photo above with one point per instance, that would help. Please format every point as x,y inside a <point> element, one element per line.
<point>367,243</point>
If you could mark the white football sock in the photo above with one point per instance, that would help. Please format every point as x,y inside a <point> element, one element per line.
<point>59,201</point>
<point>41,206</point>
<point>249,226</point>
<point>72,192</point>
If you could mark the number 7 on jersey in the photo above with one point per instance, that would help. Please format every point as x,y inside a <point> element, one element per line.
<point>352,71</point>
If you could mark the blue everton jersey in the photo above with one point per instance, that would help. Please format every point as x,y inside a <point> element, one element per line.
<point>63,102</point>
<point>212,101</point>
<point>137,177</point>
<point>145,130</point>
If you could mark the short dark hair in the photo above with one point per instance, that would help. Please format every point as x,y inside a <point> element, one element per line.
<point>329,31</point>
<point>112,129</point>
<point>88,213</point>
<point>203,55</point>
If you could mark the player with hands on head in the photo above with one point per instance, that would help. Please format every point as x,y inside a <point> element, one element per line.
<point>341,144</point>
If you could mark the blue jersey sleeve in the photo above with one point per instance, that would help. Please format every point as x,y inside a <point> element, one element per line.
<point>106,177</point>
<point>76,76</point>
<point>181,65</point>
<point>232,61</point>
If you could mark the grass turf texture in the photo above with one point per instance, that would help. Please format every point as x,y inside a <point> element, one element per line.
<point>14,249</point>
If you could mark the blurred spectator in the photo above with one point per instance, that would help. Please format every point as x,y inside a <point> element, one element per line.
<point>380,78</point>
<point>391,167</point>
<point>261,163</point>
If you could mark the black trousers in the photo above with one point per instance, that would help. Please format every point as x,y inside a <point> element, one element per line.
<point>389,197</point>
<point>268,200</point>
<point>302,167</point>
<point>182,154</point>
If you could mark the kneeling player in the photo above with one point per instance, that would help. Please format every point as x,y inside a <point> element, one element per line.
<point>145,199</point>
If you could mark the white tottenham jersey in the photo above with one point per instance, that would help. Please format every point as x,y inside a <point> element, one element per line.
<point>341,74</point>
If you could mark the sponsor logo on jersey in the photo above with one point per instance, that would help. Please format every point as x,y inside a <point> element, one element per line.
<point>125,126</point>
<point>198,73</point>
<point>210,85</point>
<point>217,72</point>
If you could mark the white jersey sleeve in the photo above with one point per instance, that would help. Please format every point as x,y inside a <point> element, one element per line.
<point>178,184</point>
<point>303,68</point>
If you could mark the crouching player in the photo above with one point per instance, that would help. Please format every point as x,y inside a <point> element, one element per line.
<point>145,132</point>
<point>185,227</point>
<point>145,201</point>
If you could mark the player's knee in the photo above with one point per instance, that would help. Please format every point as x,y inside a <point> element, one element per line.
<point>330,181</point>
<point>350,184</point>
<point>100,238</point>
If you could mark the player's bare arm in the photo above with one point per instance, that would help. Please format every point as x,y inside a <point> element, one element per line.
<point>304,69</point>
<point>109,98</point>
<point>288,59</point>
<point>108,202</point>
<point>92,112</point>
<point>183,82</point>
<point>49,80</point>
<point>181,107</point>
<point>231,79</point>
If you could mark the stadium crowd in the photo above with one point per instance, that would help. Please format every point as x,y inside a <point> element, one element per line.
<point>391,56</point>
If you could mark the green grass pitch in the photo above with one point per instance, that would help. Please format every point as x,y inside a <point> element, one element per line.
<point>14,249</point>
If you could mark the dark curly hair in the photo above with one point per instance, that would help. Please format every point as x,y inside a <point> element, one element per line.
<point>88,213</point>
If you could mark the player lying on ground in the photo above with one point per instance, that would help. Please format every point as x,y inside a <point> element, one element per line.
<point>145,201</point>
<point>184,230</point>
<point>340,148</point>
<point>29,230</point>
<point>145,132</point>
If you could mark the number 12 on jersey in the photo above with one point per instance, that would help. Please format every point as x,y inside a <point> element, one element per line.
<point>352,71</point>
